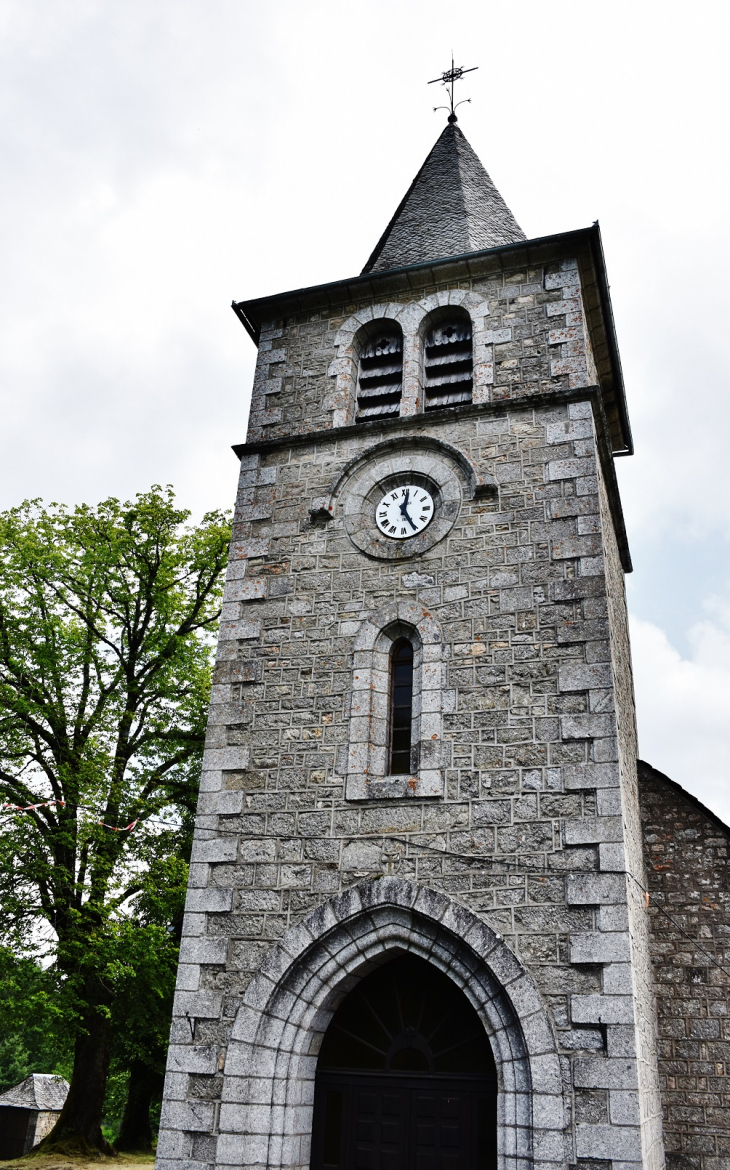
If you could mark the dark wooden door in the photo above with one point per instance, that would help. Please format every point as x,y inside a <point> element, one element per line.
<point>441,1124</point>
<point>406,1079</point>
<point>378,1125</point>
<point>380,1122</point>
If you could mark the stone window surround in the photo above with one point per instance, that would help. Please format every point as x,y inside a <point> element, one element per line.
<point>367,752</point>
<point>368,334</point>
<point>268,1079</point>
<point>413,319</point>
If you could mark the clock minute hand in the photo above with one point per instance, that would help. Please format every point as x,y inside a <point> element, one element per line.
<point>404,510</point>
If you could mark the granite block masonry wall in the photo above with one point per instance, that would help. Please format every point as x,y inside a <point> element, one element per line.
<point>688,864</point>
<point>531,836</point>
<point>534,339</point>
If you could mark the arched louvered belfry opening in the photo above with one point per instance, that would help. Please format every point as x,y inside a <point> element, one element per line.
<point>448,362</point>
<point>380,371</point>
<point>405,1076</point>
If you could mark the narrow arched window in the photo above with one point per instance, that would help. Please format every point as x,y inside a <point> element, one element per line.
<point>448,362</point>
<point>380,373</point>
<point>401,707</point>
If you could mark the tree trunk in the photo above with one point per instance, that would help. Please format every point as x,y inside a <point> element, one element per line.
<point>135,1134</point>
<point>78,1128</point>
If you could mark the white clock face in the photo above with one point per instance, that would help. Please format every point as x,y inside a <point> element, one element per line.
<point>404,511</point>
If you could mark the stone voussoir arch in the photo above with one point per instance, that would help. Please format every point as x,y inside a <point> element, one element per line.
<point>411,317</point>
<point>476,306</point>
<point>343,368</point>
<point>477,484</point>
<point>412,613</point>
<point>268,1090</point>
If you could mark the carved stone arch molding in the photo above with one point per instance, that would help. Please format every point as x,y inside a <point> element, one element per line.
<point>443,468</point>
<point>476,483</point>
<point>483,339</point>
<point>268,1085</point>
<point>411,318</point>
<point>344,367</point>
<point>367,752</point>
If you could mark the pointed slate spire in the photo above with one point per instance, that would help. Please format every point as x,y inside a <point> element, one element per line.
<point>451,207</point>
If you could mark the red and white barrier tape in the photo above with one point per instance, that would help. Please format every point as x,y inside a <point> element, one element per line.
<point>28,807</point>
<point>48,803</point>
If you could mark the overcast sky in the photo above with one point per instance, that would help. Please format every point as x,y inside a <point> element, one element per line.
<point>161,157</point>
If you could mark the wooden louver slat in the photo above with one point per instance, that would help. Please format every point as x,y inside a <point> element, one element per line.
<point>448,364</point>
<point>380,377</point>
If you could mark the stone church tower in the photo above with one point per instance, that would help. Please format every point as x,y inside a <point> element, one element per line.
<point>416,930</point>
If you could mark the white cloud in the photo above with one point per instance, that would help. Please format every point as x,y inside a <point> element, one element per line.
<point>160,159</point>
<point>683,704</point>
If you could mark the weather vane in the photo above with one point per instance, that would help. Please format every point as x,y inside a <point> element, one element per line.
<point>448,78</point>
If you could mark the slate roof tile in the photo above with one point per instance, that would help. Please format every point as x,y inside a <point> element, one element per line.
<point>41,1091</point>
<point>452,207</point>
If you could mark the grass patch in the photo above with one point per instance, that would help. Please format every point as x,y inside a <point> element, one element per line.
<point>65,1162</point>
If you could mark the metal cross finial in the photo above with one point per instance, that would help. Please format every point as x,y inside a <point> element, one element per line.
<point>448,78</point>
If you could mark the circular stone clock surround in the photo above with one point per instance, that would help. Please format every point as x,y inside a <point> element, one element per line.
<point>385,471</point>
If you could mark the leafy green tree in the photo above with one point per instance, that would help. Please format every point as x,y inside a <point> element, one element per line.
<point>31,1020</point>
<point>143,1004</point>
<point>106,617</point>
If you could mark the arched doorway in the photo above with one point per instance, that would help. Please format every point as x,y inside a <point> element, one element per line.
<point>406,1079</point>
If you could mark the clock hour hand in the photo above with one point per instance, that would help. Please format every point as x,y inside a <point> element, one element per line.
<point>404,509</point>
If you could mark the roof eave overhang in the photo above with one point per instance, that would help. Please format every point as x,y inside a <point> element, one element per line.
<point>584,244</point>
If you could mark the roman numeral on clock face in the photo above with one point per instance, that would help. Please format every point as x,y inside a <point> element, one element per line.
<point>404,511</point>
